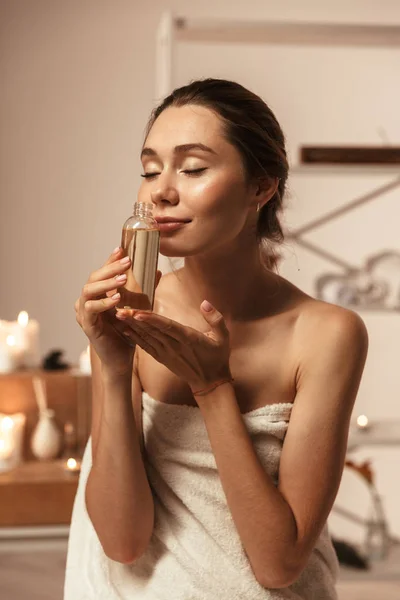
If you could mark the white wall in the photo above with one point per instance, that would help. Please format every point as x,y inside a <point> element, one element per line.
<point>77,84</point>
<point>330,95</point>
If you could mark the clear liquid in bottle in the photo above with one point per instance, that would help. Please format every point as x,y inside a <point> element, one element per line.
<point>141,242</point>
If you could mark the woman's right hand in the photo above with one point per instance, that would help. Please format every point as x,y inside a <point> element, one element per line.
<point>95,313</point>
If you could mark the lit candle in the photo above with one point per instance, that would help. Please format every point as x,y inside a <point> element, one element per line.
<point>363,422</point>
<point>84,362</point>
<point>11,355</point>
<point>4,331</point>
<point>11,438</point>
<point>26,333</point>
<point>30,327</point>
<point>72,466</point>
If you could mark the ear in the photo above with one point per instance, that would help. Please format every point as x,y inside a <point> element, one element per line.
<point>265,190</point>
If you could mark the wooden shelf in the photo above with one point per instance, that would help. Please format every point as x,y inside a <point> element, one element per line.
<point>285,32</point>
<point>42,493</point>
<point>69,395</point>
<point>379,433</point>
<point>35,472</point>
<point>37,493</point>
<point>300,169</point>
<point>174,29</point>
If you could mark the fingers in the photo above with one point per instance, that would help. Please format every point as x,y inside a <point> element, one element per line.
<point>111,269</point>
<point>98,289</point>
<point>117,253</point>
<point>216,321</point>
<point>137,334</point>
<point>95,307</point>
<point>100,293</point>
<point>119,330</point>
<point>88,311</point>
<point>159,326</point>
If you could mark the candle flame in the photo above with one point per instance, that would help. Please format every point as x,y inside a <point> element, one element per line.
<point>71,464</point>
<point>10,340</point>
<point>23,318</point>
<point>7,423</point>
<point>362,421</point>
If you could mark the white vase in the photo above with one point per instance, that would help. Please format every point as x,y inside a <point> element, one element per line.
<point>46,439</point>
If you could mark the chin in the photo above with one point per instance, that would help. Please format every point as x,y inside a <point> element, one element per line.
<point>175,249</point>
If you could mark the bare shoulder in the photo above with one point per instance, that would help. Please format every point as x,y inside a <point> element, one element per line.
<point>322,318</point>
<point>326,329</point>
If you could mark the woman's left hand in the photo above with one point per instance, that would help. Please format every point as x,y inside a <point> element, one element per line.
<point>198,358</point>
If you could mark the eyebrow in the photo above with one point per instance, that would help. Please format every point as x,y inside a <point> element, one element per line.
<point>179,149</point>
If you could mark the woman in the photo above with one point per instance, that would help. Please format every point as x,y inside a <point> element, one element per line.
<point>246,383</point>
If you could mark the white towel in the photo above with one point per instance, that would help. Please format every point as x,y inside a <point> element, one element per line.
<point>195,552</point>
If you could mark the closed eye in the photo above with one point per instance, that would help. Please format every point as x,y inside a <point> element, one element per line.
<point>149,175</point>
<point>190,172</point>
<point>194,172</point>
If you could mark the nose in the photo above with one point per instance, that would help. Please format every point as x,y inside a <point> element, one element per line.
<point>164,193</point>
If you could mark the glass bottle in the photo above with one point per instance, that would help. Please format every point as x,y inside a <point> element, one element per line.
<point>377,538</point>
<point>141,242</point>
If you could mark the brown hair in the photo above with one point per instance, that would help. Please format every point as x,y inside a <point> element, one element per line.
<point>252,128</point>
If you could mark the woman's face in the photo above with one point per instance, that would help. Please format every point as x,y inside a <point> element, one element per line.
<point>192,173</point>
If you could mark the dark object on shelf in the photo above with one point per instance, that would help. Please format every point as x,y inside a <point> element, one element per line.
<point>52,361</point>
<point>352,155</point>
<point>349,556</point>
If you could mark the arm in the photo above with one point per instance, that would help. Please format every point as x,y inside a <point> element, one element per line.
<point>280,526</point>
<point>118,496</point>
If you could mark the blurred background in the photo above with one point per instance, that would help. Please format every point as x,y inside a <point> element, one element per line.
<point>78,80</point>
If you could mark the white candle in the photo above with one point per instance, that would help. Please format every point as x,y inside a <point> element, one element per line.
<point>84,362</point>
<point>6,437</point>
<point>30,329</point>
<point>7,361</point>
<point>11,439</point>
<point>5,449</point>
<point>26,333</point>
<point>11,355</point>
<point>72,466</point>
<point>4,331</point>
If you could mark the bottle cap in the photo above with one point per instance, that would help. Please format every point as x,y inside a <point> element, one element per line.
<point>144,209</point>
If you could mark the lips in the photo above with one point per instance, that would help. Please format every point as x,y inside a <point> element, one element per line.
<point>167,226</point>
<point>169,223</point>
<point>161,220</point>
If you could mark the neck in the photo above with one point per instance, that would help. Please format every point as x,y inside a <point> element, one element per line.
<point>232,280</point>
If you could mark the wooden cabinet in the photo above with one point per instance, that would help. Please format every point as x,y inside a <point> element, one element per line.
<point>37,493</point>
<point>42,493</point>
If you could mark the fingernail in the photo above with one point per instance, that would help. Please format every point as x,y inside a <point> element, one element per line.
<point>207,306</point>
<point>116,250</point>
<point>120,315</point>
<point>121,277</point>
<point>116,296</point>
<point>125,261</point>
